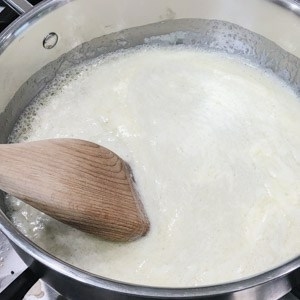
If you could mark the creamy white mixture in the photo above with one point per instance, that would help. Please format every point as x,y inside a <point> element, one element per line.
<point>214,144</point>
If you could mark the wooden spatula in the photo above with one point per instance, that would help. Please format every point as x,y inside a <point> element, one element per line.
<point>76,182</point>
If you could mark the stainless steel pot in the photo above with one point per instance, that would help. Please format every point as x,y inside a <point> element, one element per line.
<point>47,31</point>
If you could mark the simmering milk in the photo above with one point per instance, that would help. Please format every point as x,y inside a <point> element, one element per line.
<point>214,145</point>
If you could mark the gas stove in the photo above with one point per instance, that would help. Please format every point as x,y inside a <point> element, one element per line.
<point>8,15</point>
<point>14,283</point>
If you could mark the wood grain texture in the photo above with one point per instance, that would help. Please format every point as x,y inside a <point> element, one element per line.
<point>76,182</point>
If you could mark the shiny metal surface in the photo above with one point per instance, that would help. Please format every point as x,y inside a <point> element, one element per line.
<point>15,29</point>
<point>19,6</point>
<point>293,5</point>
<point>11,262</point>
<point>11,265</point>
<point>50,40</point>
<point>75,23</point>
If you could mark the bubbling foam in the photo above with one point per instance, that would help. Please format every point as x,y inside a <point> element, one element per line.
<point>214,145</point>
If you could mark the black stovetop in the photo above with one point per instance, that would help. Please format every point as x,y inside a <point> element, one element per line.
<point>7,15</point>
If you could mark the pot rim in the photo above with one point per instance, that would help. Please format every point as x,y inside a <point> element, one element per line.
<point>19,25</point>
<point>47,259</point>
<point>6,38</point>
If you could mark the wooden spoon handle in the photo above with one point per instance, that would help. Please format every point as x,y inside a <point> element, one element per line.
<point>77,182</point>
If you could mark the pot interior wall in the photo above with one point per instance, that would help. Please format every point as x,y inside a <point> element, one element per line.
<point>75,22</point>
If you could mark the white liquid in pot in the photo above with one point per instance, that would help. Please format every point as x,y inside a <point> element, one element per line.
<point>214,144</point>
